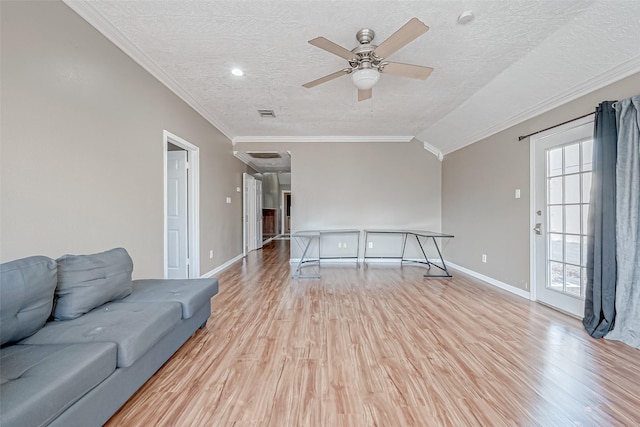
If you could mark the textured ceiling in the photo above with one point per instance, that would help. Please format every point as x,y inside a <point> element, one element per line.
<point>514,60</point>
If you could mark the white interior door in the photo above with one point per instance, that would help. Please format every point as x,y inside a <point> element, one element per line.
<point>562,180</point>
<point>259,224</point>
<point>249,212</point>
<point>177,216</point>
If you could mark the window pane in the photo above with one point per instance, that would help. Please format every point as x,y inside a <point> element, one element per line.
<point>555,219</point>
<point>555,247</point>
<point>572,158</point>
<point>554,162</point>
<point>556,271</point>
<point>572,249</point>
<point>572,189</point>
<point>572,219</point>
<point>583,281</point>
<point>587,155</point>
<point>586,187</point>
<point>573,280</point>
<point>585,219</point>
<point>584,251</point>
<point>555,191</point>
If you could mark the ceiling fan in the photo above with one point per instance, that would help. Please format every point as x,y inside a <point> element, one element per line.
<point>367,60</point>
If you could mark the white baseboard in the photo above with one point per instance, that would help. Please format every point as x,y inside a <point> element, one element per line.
<point>491,281</point>
<point>360,260</point>
<point>329,261</point>
<point>517,291</point>
<point>219,268</point>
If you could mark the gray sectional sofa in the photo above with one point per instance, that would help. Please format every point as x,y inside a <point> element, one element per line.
<point>79,337</point>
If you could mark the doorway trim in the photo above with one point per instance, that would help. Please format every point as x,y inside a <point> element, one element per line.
<point>193,201</point>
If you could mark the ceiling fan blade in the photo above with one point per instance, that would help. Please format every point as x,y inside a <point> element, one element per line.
<point>364,94</point>
<point>406,34</point>
<point>407,70</point>
<point>325,79</point>
<point>331,47</point>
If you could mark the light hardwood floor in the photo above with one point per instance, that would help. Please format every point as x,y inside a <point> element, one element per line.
<point>383,346</point>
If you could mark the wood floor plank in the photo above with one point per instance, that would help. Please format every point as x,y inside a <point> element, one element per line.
<point>383,346</point>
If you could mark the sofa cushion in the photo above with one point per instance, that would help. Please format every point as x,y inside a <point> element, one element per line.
<point>26,296</point>
<point>192,294</point>
<point>134,327</point>
<point>40,382</point>
<point>88,281</point>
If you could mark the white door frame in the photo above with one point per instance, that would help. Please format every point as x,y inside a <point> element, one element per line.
<point>246,202</point>
<point>259,218</point>
<point>193,200</point>
<point>532,196</point>
<point>244,214</point>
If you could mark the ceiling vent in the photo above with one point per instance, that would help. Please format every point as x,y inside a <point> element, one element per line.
<point>265,155</point>
<point>266,113</point>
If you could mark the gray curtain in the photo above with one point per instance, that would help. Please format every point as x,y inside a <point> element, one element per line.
<point>599,308</point>
<point>627,322</point>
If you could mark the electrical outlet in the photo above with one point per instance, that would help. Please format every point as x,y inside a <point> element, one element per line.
<point>229,200</point>
<point>211,254</point>
<point>484,258</point>
<point>339,245</point>
<point>344,245</point>
<point>370,245</point>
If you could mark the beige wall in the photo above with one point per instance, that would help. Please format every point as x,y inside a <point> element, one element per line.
<point>270,190</point>
<point>361,185</point>
<point>478,184</point>
<point>82,154</point>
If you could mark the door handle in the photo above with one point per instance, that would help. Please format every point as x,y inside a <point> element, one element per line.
<point>538,228</point>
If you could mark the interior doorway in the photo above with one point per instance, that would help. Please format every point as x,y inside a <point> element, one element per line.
<point>286,212</point>
<point>181,207</point>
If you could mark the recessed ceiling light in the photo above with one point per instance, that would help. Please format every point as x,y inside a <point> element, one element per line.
<point>465,17</point>
<point>237,72</point>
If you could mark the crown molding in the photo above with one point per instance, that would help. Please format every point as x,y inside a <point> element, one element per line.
<point>433,150</point>
<point>100,23</point>
<point>296,139</point>
<point>611,76</point>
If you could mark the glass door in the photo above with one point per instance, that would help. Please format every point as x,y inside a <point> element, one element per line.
<point>562,179</point>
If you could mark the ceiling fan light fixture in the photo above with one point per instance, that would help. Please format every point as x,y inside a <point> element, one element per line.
<point>365,78</point>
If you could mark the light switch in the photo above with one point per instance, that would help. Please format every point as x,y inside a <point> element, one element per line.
<point>517,193</point>
<point>229,200</point>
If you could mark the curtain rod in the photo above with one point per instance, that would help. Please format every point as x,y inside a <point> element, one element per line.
<point>520,138</point>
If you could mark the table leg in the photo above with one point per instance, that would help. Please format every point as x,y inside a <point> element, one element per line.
<point>297,274</point>
<point>444,266</point>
